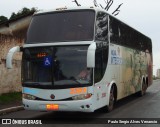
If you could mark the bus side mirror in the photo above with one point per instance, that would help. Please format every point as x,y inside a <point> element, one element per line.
<point>91,55</point>
<point>10,55</point>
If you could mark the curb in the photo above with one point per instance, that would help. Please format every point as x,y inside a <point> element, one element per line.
<point>11,109</point>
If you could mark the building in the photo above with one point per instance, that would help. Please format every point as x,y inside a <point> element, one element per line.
<point>12,33</point>
<point>158,73</point>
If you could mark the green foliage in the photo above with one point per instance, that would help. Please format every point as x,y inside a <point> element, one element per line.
<point>8,97</point>
<point>3,19</point>
<point>23,11</point>
<point>13,16</point>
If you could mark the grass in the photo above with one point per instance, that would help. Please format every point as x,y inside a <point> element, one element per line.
<point>10,97</point>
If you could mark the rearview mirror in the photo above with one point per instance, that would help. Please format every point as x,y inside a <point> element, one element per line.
<point>10,56</point>
<point>91,55</point>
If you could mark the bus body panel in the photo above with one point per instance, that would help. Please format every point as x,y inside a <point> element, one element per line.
<point>128,67</point>
<point>78,105</point>
<point>59,94</point>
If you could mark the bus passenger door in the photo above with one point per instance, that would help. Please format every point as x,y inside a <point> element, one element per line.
<point>101,59</point>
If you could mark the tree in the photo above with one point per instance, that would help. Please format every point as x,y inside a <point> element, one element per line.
<point>3,19</point>
<point>108,3</point>
<point>76,2</point>
<point>23,11</point>
<point>13,15</point>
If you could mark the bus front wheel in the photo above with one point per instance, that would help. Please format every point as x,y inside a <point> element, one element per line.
<point>111,100</point>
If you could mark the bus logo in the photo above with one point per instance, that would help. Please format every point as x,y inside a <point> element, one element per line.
<point>115,57</point>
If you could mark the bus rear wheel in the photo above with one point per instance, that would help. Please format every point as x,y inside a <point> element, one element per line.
<point>144,88</point>
<point>111,100</point>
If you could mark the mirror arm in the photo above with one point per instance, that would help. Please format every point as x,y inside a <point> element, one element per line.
<point>10,56</point>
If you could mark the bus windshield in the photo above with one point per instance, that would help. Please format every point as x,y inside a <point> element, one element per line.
<point>61,27</point>
<point>56,66</point>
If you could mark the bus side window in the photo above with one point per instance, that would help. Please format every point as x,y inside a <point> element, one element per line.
<point>104,59</point>
<point>115,31</point>
<point>98,66</point>
<point>101,27</point>
<point>100,63</point>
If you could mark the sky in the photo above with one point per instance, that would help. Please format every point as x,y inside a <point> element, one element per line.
<point>142,15</point>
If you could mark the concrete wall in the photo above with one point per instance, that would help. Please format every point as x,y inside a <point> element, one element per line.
<point>12,33</point>
<point>10,79</point>
<point>16,28</point>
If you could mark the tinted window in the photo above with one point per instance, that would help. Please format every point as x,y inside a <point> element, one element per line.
<point>60,66</point>
<point>124,35</point>
<point>101,33</point>
<point>100,63</point>
<point>98,66</point>
<point>34,69</point>
<point>62,26</point>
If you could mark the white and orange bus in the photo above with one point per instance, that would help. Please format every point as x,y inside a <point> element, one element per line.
<point>82,59</point>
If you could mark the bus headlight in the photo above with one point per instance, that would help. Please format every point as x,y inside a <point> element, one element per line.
<point>82,96</point>
<point>28,96</point>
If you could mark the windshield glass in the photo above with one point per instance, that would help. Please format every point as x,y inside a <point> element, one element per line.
<point>56,66</point>
<point>61,27</point>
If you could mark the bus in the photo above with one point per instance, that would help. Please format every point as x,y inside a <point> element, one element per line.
<point>81,59</point>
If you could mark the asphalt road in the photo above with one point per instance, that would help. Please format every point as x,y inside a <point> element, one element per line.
<point>131,107</point>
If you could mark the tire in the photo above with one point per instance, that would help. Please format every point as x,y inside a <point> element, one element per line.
<point>143,90</point>
<point>111,100</point>
<point>110,107</point>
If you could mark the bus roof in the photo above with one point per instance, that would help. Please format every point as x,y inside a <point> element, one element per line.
<point>59,9</point>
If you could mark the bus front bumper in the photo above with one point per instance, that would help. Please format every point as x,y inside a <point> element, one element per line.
<point>77,105</point>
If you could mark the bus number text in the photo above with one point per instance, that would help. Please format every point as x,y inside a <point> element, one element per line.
<point>78,90</point>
